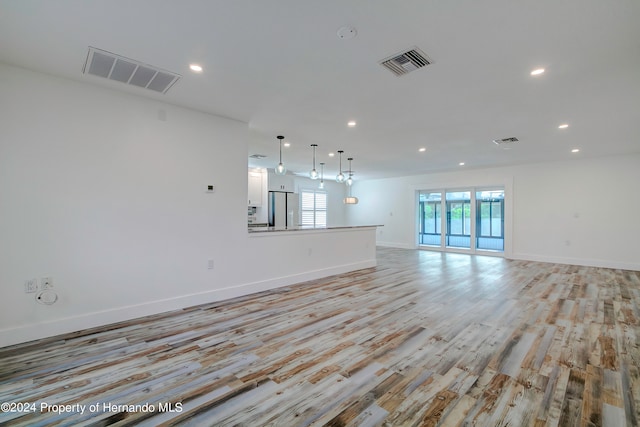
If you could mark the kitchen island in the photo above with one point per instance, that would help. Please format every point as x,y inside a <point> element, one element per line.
<point>297,254</point>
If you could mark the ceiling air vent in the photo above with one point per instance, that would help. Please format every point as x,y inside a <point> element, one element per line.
<point>505,140</point>
<point>115,67</point>
<point>257,156</point>
<point>405,62</point>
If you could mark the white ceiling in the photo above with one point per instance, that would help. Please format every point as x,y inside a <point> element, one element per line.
<point>279,66</point>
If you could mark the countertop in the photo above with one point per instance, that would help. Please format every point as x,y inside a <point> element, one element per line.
<point>253,230</point>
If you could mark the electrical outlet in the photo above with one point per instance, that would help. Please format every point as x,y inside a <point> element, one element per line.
<point>46,283</point>
<point>31,286</point>
<point>210,264</point>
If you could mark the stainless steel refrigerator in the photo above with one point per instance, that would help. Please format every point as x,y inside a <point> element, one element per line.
<point>283,209</point>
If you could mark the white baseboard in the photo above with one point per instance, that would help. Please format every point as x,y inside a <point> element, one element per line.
<point>395,245</point>
<point>577,261</point>
<point>25,333</point>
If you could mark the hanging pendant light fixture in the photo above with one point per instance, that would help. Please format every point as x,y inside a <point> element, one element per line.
<point>321,186</point>
<point>314,173</point>
<point>280,169</point>
<point>340,177</point>
<point>349,180</point>
<point>350,200</point>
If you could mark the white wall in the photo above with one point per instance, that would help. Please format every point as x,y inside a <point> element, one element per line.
<point>580,211</point>
<point>100,193</point>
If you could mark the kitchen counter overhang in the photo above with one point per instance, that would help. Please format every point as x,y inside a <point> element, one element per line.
<point>264,231</point>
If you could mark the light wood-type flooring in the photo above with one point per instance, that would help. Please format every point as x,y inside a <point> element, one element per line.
<point>424,339</point>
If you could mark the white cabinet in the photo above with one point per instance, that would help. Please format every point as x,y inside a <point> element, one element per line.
<point>281,183</point>
<point>255,189</point>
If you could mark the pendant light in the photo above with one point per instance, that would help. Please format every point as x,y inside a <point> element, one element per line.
<point>280,169</point>
<point>350,200</point>
<point>349,180</point>
<point>314,173</point>
<point>321,186</point>
<point>340,176</point>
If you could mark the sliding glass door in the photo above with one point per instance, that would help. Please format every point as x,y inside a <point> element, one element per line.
<point>458,219</point>
<point>430,223</point>
<point>463,219</point>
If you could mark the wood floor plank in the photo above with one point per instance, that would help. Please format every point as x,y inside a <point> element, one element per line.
<point>423,339</point>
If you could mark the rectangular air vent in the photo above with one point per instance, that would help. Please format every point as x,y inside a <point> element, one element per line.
<point>505,140</point>
<point>405,62</point>
<point>257,156</point>
<point>129,71</point>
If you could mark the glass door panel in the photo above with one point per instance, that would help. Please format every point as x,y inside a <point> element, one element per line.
<point>458,219</point>
<point>430,207</point>
<point>490,220</point>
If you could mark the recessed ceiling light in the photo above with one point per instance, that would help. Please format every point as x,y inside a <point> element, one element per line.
<point>286,144</point>
<point>461,163</point>
<point>537,71</point>
<point>563,126</point>
<point>332,154</point>
<point>196,68</point>
<point>422,150</point>
<point>575,150</point>
<point>351,124</point>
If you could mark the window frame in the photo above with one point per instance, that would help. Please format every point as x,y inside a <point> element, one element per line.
<point>316,209</point>
<point>472,214</point>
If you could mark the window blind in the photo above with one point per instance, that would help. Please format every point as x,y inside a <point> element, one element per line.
<point>313,208</point>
